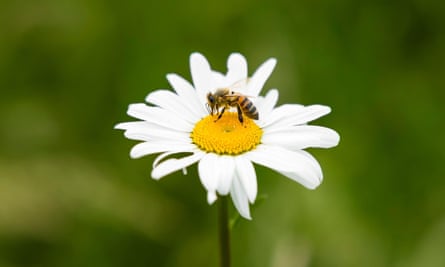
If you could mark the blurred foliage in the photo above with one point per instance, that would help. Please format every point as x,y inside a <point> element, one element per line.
<point>70,195</point>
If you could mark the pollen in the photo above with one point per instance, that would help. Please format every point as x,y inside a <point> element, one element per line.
<point>226,136</point>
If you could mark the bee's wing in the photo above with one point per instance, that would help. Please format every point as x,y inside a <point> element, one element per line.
<point>239,84</point>
<point>237,94</point>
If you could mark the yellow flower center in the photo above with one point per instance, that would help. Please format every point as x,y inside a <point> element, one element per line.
<point>227,135</point>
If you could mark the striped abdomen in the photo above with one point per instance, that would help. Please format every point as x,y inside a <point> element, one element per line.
<point>248,108</point>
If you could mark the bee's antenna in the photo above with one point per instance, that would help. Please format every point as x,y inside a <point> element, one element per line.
<point>208,108</point>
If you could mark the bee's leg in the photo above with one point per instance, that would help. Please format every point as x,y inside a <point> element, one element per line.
<point>215,109</point>
<point>240,114</point>
<point>220,114</point>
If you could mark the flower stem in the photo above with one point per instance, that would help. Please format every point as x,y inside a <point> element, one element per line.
<point>224,232</point>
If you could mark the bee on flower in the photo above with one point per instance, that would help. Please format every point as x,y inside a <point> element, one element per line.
<point>224,98</point>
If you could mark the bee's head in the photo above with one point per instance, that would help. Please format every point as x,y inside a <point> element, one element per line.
<point>211,102</point>
<point>210,98</point>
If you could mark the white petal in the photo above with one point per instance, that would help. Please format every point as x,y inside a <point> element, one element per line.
<point>162,156</point>
<point>201,75</point>
<point>266,104</point>
<point>186,91</point>
<point>226,166</point>
<point>181,86</point>
<point>279,113</point>
<point>260,77</point>
<point>313,161</point>
<point>166,136</point>
<point>211,197</point>
<point>247,175</point>
<point>147,148</point>
<point>146,131</point>
<point>123,125</point>
<point>219,79</point>
<point>172,102</point>
<point>207,174</point>
<point>237,69</point>
<point>239,198</point>
<point>308,114</point>
<point>171,165</point>
<point>301,137</point>
<point>159,116</point>
<point>296,116</point>
<point>297,165</point>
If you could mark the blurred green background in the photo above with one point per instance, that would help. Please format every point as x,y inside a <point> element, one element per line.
<point>70,195</point>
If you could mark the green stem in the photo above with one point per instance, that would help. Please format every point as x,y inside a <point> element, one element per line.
<point>224,231</point>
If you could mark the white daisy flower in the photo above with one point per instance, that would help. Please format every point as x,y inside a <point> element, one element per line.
<point>225,149</point>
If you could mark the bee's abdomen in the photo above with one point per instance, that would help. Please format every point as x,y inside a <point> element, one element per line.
<point>248,108</point>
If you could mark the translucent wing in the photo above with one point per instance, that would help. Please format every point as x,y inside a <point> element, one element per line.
<point>233,93</point>
<point>240,84</point>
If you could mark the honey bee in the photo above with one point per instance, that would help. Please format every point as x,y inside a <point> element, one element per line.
<point>225,98</point>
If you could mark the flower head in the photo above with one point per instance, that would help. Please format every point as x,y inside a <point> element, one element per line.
<point>241,128</point>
